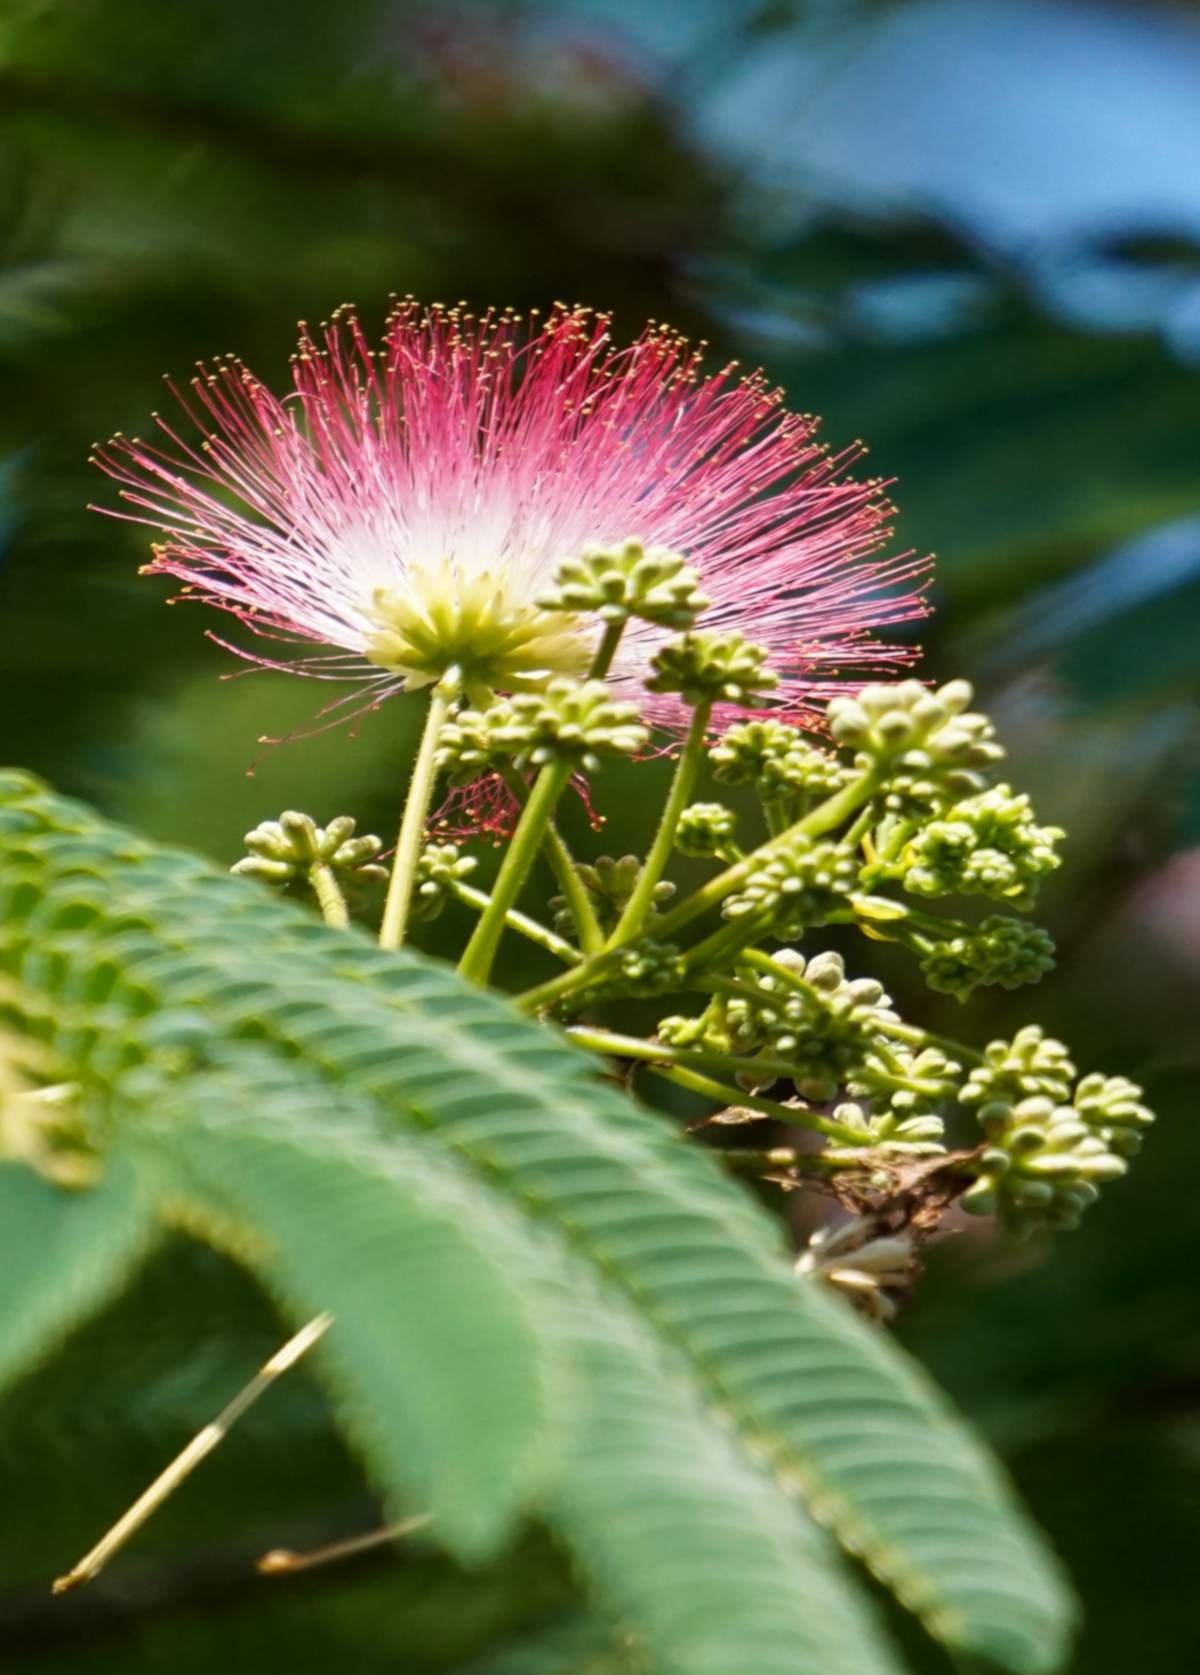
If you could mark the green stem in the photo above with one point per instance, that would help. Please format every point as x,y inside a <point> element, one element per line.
<point>775,814</point>
<point>678,797</point>
<point>521,922</point>
<point>416,813</point>
<point>726,1095</point>
<point>329,895</point>
<point>658,1055</point>
<point>823,818</point>
<point>743,1160</point>
<point>587,926</point>
<point>476,963</point>
<point>861,827</point>
<point>605,651</point>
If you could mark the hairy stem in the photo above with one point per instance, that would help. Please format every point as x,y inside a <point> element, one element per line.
<point>329,896</point>
<point>416,813</point>
<point>521,922</point>
<point>657,1054</point>
<point>678,797</point>
<point>606,650</point>
<point>824,818</point>
<point>562,863</point>
<point>727,1095</point>
<point>476,963</point>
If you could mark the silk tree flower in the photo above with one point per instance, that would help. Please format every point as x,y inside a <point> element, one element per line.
<point>406,506</point>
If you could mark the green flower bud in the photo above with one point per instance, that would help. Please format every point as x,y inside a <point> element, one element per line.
<point>1002,950</point>
<point>707,829</point>
<point>919,1135</point>
<point>1111,1106</point>
<point>777,760</point>
<point>290,847</point>
<point>1043,1165</point>
<point>439,867</point>
<point>709,666</point>
<point>629,580</point>
<point>989,845</point>
<point>1031,1065</point>
<point>803,881</point>
<point>609,883</point>
<point>644,968</point>
<point>824,1027</point>
<point>570,721</point>
<point>933,748</point>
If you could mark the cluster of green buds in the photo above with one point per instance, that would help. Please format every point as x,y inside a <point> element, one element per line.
<point>989,844</point>
<point>708,667</point>
<point>800,881</point>
<point>708,830</point>
<point>609,883</point>
<point>889,805</point>
<point>644,970</point>
<point>441,866</point>
<point>810,1016</point>
<point>293,846</point>
<point>628,580</point>
<point>1003,951</point>
<point>918,736</point>
<point>1048,1149</point>
<point>889,1131</point>
<point>780,764</point>
<point>577,722</point>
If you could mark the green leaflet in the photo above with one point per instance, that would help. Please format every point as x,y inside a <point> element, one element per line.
<point>63,1255</point>
<point>113,927</point>
<point>427,1276</point>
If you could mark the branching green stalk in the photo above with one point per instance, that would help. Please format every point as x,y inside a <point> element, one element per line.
<point>520,922</point>
<point>678,797</point>
<point>824,818</point>
<point>416,813</point>
<point>730,1096</point>
<point>476,963</point>
<point>329,896</point>
<point>910,1034</point>
<point>587,926</point>
<point>698,1058</point>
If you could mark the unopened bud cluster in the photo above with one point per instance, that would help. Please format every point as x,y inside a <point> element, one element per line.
<point>811,1016</point>
<point>575,722</point>
<point>707,829</point>
<point>609,883</point>
<point>709,667</point>
<point>989,844</point>
<point>801,881</point>
<point>1003,951</point>
<point>441,866</point>
<point>629,580</point>
<point>290,847</point>
<point>908,724</point>
<point>776,759</point>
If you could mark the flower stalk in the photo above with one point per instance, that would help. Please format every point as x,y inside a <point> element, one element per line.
<point>416,812</point>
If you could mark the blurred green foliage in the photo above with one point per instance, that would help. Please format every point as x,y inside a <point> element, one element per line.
<point>179,180</point>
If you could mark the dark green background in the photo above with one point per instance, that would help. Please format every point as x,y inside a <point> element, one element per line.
<point>180,179</point>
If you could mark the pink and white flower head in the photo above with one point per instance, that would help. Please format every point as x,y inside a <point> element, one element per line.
<point>408,505</point>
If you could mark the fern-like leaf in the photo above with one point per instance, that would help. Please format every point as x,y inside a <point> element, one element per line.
<point>63,1255</point>
<point>112,929</point>
<point>428,1278</point>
